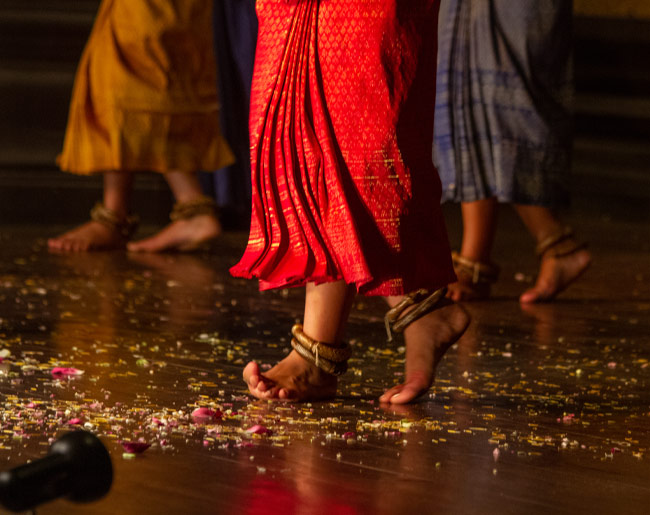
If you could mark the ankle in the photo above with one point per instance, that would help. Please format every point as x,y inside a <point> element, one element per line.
<point>123,225</point>
<point>187,209</point>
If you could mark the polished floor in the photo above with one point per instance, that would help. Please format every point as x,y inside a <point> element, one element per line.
<point>540,409</point>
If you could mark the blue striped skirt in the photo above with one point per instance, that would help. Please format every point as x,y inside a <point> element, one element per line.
<point>503,122</point>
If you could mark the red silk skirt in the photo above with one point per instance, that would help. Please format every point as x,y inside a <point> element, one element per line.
<point>341,129</point>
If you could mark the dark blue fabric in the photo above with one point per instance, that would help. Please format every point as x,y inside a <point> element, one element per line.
<point>235,28</point>
<point>503,124</point>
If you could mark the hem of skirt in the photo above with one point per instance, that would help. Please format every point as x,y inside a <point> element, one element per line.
<point>288,282</point>
<point>140,168</point>
<point>366,287</point>
<point>560,202</point>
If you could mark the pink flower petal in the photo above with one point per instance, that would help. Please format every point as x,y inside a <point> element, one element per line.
<point>66,372</point>
<point>74,421</point>
<point>203,415</point>
<point>259,430</point>
<point>348,435</point>
<point>135,447</point>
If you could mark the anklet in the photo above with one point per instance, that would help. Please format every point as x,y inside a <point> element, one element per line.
<point>202,205</point>
<point>330,358</point>
<point>125,226</point>
<point>479,272</point>
<point>423,302</point>
<point>325,365</point>
<point>561,243</point>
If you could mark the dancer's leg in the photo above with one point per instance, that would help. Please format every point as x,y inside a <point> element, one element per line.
<point>94,235</point>
<point>118,187</point>
<point>427,340</point>
<point>327,307</point>
<point>555,273</point>
<point>185,234</point>
<point>479,225</point>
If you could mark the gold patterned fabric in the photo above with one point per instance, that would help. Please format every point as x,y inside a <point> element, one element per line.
<point>341,130</point>
<point>145,94</point>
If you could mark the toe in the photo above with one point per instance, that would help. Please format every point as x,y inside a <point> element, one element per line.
<point>284,393</point>
<point>139,246</point>
<point>405,395</point>
<point>390,393</point>
<point>267,391</point>
<point>416,385</point>
<point>263,386</point>
<point>535,295</point>
<point>251,374</point>
<point>529,296</point>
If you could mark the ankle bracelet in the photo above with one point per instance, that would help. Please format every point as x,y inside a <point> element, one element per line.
<point>423,302</point>
<point>202,205</point>
<point>125,226</point>
<point>330,358</point>
<point>561,243</point>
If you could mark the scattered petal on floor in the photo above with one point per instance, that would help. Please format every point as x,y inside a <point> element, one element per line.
<point>205,414</point>
<point>135,447</point>
<point>66,372</point>
<point>258,429</point>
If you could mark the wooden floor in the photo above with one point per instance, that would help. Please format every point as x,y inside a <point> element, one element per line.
<point>543,409</point>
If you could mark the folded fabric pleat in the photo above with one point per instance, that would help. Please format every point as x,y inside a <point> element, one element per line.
<point>343,184</point>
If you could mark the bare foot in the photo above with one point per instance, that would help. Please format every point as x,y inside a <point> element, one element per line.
<point>293,378</point>
<point>427,340</point>
<point>462,291</point>
<point>475,277</point>
<point>556,274</point>
<point>89,236</point>
<point>181,235</point>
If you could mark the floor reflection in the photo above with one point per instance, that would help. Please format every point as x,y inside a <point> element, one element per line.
<point>536,409</point>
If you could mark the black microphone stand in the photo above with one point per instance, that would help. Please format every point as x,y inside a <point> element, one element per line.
<point>78,466</point>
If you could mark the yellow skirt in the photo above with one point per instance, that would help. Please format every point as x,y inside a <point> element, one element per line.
<point>145,93</point>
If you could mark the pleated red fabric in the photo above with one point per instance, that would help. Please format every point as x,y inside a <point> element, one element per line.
<point>341,130</point>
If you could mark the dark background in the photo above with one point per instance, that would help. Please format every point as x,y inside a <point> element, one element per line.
<point>40,45</point>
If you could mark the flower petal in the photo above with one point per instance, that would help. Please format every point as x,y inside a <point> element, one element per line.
<point>259,430</point>
<point>135,447</point>
<point>66,372</point>
<point>203,415</point>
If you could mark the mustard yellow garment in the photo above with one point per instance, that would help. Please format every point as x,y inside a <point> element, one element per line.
<point>145,96</point>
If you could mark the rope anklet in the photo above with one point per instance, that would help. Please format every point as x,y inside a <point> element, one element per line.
<point>422,301</point>
<point>124,226</point>
<point>561,243</point>
<point>330,358</point>
<point>202,205</point>
<point>480,273</point>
